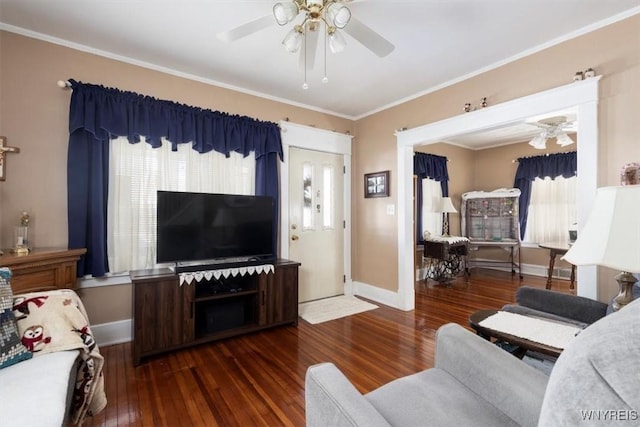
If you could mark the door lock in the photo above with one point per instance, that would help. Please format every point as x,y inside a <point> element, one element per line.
<point>294,237</point>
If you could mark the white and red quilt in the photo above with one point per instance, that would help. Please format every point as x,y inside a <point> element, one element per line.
<point>54,321</point>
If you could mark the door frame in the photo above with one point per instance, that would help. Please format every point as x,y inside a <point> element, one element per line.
<point>310,138</point>
<point>581,96</point>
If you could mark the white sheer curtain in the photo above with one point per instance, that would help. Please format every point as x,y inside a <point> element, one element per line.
<point>138,171</point>
<point>552,210</point>
<point>431,201</point>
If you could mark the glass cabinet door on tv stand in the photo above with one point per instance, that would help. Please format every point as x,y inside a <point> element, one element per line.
<point>490,220</point>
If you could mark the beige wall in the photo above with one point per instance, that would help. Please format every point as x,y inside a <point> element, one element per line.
<point>34,117</point>
<point>613,51</point>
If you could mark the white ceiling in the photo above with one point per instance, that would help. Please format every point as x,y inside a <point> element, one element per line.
<point>437,42</point>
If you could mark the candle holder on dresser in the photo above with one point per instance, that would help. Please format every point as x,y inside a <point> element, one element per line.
<point>21,240</point>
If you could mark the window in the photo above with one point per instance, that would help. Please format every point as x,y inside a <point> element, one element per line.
<point>552,210</point>
<point>328,186</point>
<point>431,201</point>
<point>138,171</point>
<point>307,196</point>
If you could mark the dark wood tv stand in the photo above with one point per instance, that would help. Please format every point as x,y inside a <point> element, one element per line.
<point>169,316</point>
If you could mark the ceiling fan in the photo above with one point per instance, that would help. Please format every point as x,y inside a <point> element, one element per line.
<point>553,127</point>
<point>333,15</point>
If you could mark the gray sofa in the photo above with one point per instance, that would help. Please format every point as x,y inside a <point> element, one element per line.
<point>475,383</point>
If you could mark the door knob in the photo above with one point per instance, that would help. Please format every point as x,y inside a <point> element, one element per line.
<point>294,237</point>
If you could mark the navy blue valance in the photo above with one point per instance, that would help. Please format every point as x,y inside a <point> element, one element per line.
<point>429,166</point>
<point>530,168</point>
<point>108,113</point>
<point>98,114</point>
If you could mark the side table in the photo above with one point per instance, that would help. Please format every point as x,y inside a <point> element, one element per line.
<point>555,249</point>
<point>445,257</point>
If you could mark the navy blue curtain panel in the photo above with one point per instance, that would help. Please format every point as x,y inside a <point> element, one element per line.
<point>432,167</point>
<point>87,191</point>
<point>98,114</point>
<point>268,183</point>
<point>530,168</point>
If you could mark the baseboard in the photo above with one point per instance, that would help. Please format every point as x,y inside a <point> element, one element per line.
<point>112,332</point>
<point>374,293</point>
<point>529,269</point>
<point>537,270</point>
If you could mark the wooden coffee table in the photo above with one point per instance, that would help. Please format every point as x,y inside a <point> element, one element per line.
<point>522,343</point>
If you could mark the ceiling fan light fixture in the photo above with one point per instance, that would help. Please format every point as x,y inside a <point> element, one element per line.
<point>336,42</point>
<point>293,40</point>
<point>285,12</point>
<point>563,139</point>
<point>539,142</point>
<point>338,15</point>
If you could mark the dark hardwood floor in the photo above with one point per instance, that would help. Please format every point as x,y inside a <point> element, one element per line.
<point>258,379</point>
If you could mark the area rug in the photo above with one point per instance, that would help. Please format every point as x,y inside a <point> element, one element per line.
<point>332,308</point>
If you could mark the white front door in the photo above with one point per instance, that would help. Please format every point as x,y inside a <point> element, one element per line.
<point>316,223</point>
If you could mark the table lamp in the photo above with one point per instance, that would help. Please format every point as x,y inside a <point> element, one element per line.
<point>611,237</point>
<point>446,207</point>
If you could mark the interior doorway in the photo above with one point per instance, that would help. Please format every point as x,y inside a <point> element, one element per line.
<point>582,97</point>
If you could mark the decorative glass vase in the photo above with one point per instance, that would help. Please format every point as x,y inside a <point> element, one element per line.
<point>21,240</point>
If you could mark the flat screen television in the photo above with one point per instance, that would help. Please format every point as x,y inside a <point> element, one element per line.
<point>214,228</point>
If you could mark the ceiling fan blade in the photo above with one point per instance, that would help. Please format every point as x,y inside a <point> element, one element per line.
<point>311,48</point>
<point>246,29</point>
<point>369,38</point>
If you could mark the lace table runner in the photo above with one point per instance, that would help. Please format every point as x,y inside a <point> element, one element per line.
<point>224,272</point>
<point>545,332</point>
<point>448,239</point>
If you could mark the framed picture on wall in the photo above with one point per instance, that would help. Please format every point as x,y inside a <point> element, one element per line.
<point>376,184</point>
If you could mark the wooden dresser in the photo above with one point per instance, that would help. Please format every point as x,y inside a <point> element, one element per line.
<point>42,269</point>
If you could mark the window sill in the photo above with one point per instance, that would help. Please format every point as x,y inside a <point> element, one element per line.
<point>110,280</point>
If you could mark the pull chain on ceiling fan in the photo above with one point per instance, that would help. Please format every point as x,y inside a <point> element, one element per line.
<point>334,15</point>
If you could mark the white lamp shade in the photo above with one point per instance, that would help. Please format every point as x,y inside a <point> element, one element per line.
<point>447,206</point>
<point>338,15</point>
<point>563,139</point>
<point>285,12</point>
<point>611,235</point>
<point>336,42</point>
<point>292,41</point>
<point>539,142</point>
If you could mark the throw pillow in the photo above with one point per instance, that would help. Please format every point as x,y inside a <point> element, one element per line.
<point>11,349</point>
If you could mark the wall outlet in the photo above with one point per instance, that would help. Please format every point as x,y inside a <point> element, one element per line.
<point>391,209</point>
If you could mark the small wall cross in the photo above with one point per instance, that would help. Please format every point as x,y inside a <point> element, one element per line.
<point>5,149</point>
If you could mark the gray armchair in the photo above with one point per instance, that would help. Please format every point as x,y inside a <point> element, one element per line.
<point>475,383</point>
